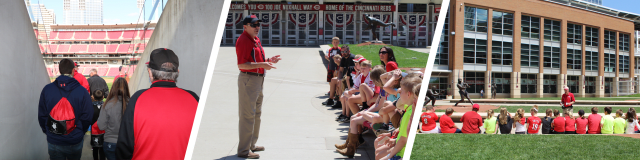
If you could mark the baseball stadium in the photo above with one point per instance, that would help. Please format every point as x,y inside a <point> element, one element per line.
<point>540,67</point>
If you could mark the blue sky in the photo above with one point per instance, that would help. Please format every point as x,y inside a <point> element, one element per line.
<point>625,5</point>
<point>113,11</point>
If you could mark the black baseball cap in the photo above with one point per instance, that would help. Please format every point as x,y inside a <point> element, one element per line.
<point>250,19</point>
<point>160,56</point>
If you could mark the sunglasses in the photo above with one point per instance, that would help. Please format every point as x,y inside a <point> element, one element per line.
<point>344,51</point>
<point>254,25</point>
<point>383,52</point>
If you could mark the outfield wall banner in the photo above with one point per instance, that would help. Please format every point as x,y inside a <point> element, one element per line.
<point>314,7</point>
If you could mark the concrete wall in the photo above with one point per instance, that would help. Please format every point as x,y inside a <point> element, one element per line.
<point>188,28</point>
<point>23,77</point>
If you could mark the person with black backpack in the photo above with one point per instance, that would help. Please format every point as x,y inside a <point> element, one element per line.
<point>65,112</point>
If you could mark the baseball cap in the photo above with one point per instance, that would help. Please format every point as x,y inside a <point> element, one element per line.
<point>476,106</point>
<point>76,64</point>
<point>250,19</point>
<point>160,56</point>
<point>581,112</point>
<point>359,59</point>
<point>566,88</point>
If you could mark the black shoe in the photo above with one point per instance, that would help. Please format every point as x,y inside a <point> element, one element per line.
<point>337,105</point>
<point>329,102</point>
<point>456,104</point>
<point>345,120</point>
<point>340,117</point>
<point>365,106</point>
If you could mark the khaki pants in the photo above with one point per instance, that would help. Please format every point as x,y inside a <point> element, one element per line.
<point>250,109</point>
<point>570,109</point>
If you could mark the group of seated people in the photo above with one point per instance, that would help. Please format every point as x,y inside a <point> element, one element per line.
<point>372,98</point>
<point>552,123</point>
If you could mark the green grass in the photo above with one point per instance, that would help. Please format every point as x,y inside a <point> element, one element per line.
<point>542,109</point>
<point>461,146</point>
<point>404,57</point>
<point>108,79</point>
<point>579,98</point>
<point>633,95</point>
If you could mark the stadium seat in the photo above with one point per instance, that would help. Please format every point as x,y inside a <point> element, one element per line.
<point>99,48</point>
<point>98,35</point>
<point>81,35</point>
<point>63,48</point>
<point>125,48</point>
<point>113,35</point>
<point>128,34</point>
<point>65,35</point>
<point>141,47</point>
<point>112,48</point>
<point>53,35</point>
<point>113,71</point>
<point>78,48</point>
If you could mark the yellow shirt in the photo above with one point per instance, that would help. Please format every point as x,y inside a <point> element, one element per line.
<point>404,124</point>
<point>619,125</point>
<point>607,124</point>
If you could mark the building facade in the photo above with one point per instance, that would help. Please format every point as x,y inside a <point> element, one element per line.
<point>315,22</point>
<point>83,12</point>
<point>43,17</point>
<point>534,48</point>
<point>598,2</point>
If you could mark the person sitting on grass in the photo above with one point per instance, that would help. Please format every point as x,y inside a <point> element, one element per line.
<point>490,123</point>
<point>505,122</point>
<point>632,121</point>
<point>594,121</point>
<point>619,124</point>
<point>446,123</point>
<point>472,121</point>
<point>581,123</point>
<point>345,110</point>
<point>569,123</point>
<point>546,122</point>
<point>607,121</point>
<point>533,122</point>
<point>520,122</point>
<point>558,123</point>
<point>428,121</point>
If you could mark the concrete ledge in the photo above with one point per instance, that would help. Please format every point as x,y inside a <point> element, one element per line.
<point>557,102</point>
<point>457,115</point>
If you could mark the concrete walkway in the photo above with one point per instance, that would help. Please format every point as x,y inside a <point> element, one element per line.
<point>294,123</point>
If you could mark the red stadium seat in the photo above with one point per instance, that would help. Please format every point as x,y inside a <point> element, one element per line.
<point>81,35</point>
<point>113,71</point>
<point>50,48</point>
<point>53,35</point>
<point>102,71</point>
<point>63,48</point>
<point>99,48</point>
<point>78,48</point>
<point>125,48</point>
<point>113,35</point>
<point>128,34</point>
<point>65,35</point>
<point>112,48</point>
<point>98,35</point>
<point>141,47</point>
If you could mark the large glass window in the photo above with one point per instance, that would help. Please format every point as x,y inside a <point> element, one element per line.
<point>574,59</point>
<point>529,55</point>
<point>551,30</point>
<point>475,81</point>
<point>475,19</point>
<point>624,64</point>
<point>528,83</point>
<point>607,84</point>
<point>441,84</point>
<point>502,53</point>
<point>590,85</point>
<point>591,36</point>
<point>574,33</point>
<point>609,40</point>
<point>624,42</point>
<point>609,62</point>
<point>551,57</point>
<point>502,23</point>
<point>530,27</point>
<point>442,56</point>
<point>502,82</point>
<point>549,83</point>
<point>591,60</point>
<point>573,82</point>
<point>475,51</point>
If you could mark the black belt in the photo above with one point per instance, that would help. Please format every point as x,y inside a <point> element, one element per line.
<point>253,74</point>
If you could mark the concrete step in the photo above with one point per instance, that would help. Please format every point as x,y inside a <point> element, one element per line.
<point>556,102</point>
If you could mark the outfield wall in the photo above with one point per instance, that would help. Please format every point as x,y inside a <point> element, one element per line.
<point>23,77</point>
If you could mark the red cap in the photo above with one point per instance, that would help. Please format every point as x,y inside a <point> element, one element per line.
<point>359,59</point>
<point>75,64</point>
<point>476,106</point>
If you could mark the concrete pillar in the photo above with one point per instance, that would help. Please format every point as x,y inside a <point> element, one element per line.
<point>487,84</point>
<point>321,25</point>
<point>246,12</point>
<point>614,86</point>
<point>562,82</point>
<point>582,85</point>
<point>600,86</point>
<point>540,85</point>
<point>515,85</point>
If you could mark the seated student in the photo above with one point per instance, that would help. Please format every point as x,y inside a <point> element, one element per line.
<point>338,84</point>
<point>558,123</point>
<point>607,121</point>
<point>505,122</point>
<point>569,123</point>
<point>581,123</point>
<point>520,122</point>
<point>446,123</point>
<point>490,122</point>
<point>471,121</point>
<point>533,122</point>
<point>619,124</point>
<point>546,122</point>
<point>366,89</point>
<point>337,59</point>
<point>594,121</point>
<point>391,87</point>
<point>345,110</point>
<point>634,113</point>
<point>428,121</point>
<point>632,121</point>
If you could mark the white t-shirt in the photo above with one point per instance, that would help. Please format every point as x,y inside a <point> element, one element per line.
<point>520,127</point>
<point>358,80</point>
<point>631,126</point>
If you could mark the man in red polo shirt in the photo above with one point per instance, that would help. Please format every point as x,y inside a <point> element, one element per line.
<point>567,101</point>
<point>253,66</point>
<point>80,78</point>
<point>472,121</point>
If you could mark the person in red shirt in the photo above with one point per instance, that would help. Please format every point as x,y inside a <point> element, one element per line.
<point>558,123</point>
<point>472,121</point>
<point>593,122</point>
<point>534,122</point>
<point>567,101</point>
<point>253,66</point>
<point>446,123</point>
<point>388,59</point>
<point>80,78</point>
<point>569,123</point>
<point>428,120</point>
<point>581,123</point>
<point>120,74</point>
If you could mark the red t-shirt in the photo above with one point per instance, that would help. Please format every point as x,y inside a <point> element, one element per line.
<point>534,125</point>
<point>581,125</point>
<point>428,121</point>
<point>559,123</point>
<point>249,49</point>
<point>446,124</point>
<point>391,65</point>
<point>83,81</point>
<point>567,97</point>
<point>471,121</point>
<point>569,124</point>
<point>594,123</point>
